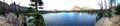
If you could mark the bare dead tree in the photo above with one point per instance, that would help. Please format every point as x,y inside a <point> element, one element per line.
<point>100,14</point>
<point>111,7</point>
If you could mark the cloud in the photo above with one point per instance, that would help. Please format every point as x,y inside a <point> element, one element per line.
<point>69,4</point>
<point>60,4</point>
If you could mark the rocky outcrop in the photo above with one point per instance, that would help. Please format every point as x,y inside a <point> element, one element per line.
<point>3,21</point>
<point>21,19</point>
<point>11,19</point>
<point>111,21</point>
<point>103,22</point>
<point>8,18</point>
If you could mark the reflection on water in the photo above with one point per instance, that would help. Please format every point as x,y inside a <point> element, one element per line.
<point>69,19</point>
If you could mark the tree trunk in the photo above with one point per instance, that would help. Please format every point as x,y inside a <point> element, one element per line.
<point>36,22</point>
<point>36,3</point>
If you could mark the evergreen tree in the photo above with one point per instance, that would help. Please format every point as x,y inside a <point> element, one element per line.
<point>38,20</point>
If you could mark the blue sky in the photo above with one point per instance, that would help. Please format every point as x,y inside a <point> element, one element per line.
<point>61,4</point>
<point>118,1</point>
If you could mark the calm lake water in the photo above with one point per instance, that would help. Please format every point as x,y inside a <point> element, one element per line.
<point>69,19</point>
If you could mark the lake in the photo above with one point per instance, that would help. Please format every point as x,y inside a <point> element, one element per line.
<point>69,19</point>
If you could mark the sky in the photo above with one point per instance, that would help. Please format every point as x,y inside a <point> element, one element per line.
<point>61,4</point>
<point>118,1</point>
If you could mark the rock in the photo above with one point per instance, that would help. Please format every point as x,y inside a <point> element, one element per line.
<point>115,20</point>
<point>12,19</point>
<point>103,22</point>
<point>109,21</point>
<point>2,20</point>
<point>21,19</point>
